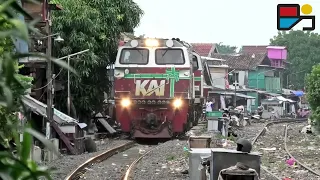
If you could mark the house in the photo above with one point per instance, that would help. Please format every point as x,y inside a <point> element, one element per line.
<point>256,74</point>
<point>240,65</point>
<point>205,49</point>
<point>221,93</point>
<point>66,128</point>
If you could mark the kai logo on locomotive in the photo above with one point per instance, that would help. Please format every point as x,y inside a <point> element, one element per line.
<point>153,87</point>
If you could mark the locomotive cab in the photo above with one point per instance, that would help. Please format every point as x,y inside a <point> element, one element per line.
<point>153,87</point>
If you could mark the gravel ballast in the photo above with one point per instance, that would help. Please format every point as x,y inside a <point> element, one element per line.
<point>167,161</point>
<point>274,155</point>
<point>115,167</point>
<point>68,163</point>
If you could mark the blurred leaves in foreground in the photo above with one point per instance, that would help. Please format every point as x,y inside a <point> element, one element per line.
<point>16,166</point>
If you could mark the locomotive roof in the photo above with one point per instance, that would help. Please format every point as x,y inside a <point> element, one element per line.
<point>162,41</point>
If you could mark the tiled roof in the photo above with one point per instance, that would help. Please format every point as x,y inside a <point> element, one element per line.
<point>242,61</point>
<point>254,49</point>
<point>204,49</point>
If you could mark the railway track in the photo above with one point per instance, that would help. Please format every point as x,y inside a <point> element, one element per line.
<point>80,170</point>
<point>285,139</point>
<point>130,150</point>
<point>129,171</point>
<point>128,174</point>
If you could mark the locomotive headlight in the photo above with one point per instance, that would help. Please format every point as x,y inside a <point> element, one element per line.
<point>152,43</point>
<point>177,103</point>
<point>134,43</point>
<point>125,102</point>
<point>169,43</point>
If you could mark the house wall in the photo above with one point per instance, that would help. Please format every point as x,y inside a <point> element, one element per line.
<point>273,84</point>
<point>243,78</point>
<point>256,79</point>
<point>218,76</point>
<point>277,54</point>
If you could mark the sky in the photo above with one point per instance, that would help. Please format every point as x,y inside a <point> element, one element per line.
<point>232,22</point>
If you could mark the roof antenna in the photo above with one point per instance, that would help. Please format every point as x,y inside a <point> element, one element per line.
<point>253,56</point>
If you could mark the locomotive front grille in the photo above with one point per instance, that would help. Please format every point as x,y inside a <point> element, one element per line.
<point>151,102</point>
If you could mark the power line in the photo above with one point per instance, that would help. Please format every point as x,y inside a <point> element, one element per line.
<point>49,81</point>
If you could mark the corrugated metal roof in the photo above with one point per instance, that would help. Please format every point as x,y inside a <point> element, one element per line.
<point>40,108</point>
<point>232,93</point>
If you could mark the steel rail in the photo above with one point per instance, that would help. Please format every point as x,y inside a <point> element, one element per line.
<point>288,152</point>
<point>261,133</point>
<point>80,170</point>
<point>131,167</point>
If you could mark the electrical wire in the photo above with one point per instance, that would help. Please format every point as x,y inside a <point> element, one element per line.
<point>41,95</point>
<point>48,82</point>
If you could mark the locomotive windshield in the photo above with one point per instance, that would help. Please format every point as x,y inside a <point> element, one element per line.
<point>134,56</point>
<point>169,56</point>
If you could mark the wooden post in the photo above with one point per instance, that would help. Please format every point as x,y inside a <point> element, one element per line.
<point>79,140</point>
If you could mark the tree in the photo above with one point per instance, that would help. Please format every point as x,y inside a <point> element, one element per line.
<point>303,52</point>
<point>313,92</point>
<point>94,25</point>
<point>226,49</point>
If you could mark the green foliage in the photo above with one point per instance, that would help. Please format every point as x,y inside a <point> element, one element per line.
<point>9,115</point>
<point>226,49</point>
<point>94,25</point>
<point>303,53</point>
<point>313,92</point>
<point>12,86</point>
<point>5,43</point>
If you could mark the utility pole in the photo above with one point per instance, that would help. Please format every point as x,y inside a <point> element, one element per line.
<point>50,90</point>
<point>235,92</point>
<point>69,91</point>
<point>69,94</point>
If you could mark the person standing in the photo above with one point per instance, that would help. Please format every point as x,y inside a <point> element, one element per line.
<point>209,106</point>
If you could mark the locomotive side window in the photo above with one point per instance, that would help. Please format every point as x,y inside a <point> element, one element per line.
<point>169,56</point>
<point>134,56</point>
<point>195,62</point>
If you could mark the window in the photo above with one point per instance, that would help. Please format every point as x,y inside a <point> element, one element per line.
<point>169,56</point>
<point>134,56</point>
<point>233,78</point>
<point>195,62</point>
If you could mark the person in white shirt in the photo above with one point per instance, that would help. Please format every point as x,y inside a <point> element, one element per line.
<point>209,106</point>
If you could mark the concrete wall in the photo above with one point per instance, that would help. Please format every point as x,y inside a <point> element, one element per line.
<point>218,76</point>
<point>243,78</point>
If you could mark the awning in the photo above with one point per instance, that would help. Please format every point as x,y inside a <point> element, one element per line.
<point>280,98</point>
<point>268,93</point>
<point>298,93</point>
<point>41,109</point>
<point>232,93</point>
